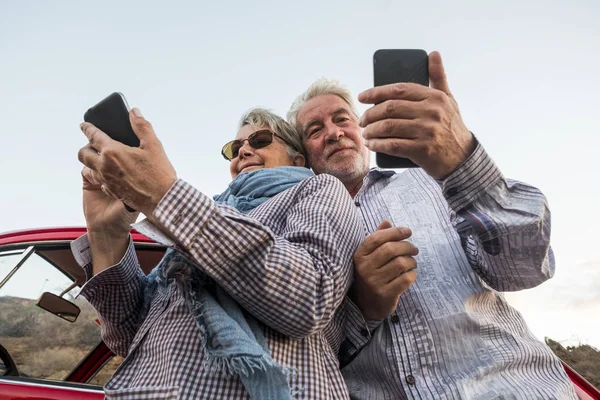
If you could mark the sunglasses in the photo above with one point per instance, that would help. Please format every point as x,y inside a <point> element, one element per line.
<point>257,140</point>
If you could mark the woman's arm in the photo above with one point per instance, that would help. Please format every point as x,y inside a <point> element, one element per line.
<point>293,280</point>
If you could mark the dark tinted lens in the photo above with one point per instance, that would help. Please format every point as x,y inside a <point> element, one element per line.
<point>260,139</point>
<point>231,149</point>
<point>236,145</point>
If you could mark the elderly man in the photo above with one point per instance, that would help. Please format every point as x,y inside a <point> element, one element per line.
<point>451,335</point>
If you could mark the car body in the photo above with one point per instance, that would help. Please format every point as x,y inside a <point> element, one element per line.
<point>58,359</point>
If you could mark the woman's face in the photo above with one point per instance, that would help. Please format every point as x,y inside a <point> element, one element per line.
<point>274,155</point>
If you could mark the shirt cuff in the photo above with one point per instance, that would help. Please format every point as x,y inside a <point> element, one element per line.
<point>358,330</point>
<point>148,229</point>
<point>470,179</point>
<point>124,271</point>
<point>183,211</point>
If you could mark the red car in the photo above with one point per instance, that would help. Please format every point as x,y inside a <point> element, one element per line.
<point>50,344</point>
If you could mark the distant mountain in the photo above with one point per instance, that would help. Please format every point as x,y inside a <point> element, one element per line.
<point>584,359</point>
<point>8,300</point>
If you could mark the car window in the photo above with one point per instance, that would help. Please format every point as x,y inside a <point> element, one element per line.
<point>41,344</point>
<point>8,260</point>
<point>107,370</point>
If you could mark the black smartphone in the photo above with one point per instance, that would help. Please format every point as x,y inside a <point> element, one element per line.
<point>111,116</point>
<point>393,66</point>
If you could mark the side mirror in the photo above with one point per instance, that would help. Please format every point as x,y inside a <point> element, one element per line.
<point>58,306</point>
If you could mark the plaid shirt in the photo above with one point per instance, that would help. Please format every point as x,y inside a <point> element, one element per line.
<point>288,262</point>
<point>453,335</point>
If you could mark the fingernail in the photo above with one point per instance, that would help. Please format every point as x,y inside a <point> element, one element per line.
<point>361,121</point>
<point>405,231</point>
<point>137,112</point>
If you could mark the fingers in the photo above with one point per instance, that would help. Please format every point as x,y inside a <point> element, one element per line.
<point>380,237</point>
<point>397,91</point>
<point>108,192</point>
<point>402,282</point>
<point>396,267</point>
<point>393,108</point>
<point>394,128</point>
<point>98,139</point>
<point>385,224</point>
<point>394,147</point>
<point>142,128</point>
<point>387,252</point>
<point>89,157</point>
<point>437,75</point>
<point>91,180</point>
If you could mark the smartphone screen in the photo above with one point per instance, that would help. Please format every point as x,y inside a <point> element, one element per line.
<point>111,116</point>
<point>393,66</point>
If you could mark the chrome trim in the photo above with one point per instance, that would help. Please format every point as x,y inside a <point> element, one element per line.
<point>26,254</point>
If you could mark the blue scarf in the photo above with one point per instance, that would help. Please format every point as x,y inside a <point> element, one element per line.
<point>250,189</point>
<point>233,340</point>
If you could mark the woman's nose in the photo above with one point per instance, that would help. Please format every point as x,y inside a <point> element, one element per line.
<point>246,150</point>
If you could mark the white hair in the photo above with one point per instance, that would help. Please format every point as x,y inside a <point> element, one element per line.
<point>263,118</point>
<point>320,87</point>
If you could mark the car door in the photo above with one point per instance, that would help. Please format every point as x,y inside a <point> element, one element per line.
<point>44,355</point>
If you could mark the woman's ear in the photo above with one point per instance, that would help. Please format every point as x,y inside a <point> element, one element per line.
<point>299,160</point>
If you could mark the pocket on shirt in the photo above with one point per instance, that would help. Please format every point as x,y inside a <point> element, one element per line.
<point>147,392</point>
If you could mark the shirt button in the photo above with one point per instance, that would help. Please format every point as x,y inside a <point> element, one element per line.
<point>395,318</point>
<point>452,192</point>
<point>364,332</point>
<point>410,379</point>
<point>357,203</point>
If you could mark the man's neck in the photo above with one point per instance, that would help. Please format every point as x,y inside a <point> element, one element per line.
<point>353,187</point>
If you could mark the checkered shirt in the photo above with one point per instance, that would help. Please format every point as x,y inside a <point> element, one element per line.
<point>288,262</point>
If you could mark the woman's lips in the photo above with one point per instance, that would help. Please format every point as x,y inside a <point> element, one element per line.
<point>250,166</point>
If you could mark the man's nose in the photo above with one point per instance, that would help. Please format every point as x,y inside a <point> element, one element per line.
<point>334,132</point>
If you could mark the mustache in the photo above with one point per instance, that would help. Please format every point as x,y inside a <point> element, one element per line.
<point>340,146</point>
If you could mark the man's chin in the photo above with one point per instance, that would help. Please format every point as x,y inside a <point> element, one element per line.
<point>346,169</point>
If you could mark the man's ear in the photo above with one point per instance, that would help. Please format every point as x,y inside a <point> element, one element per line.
<point>299,160</point>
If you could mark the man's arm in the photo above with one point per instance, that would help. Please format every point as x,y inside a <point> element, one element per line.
<point>504,225</point>
<point>117,294</point>
<point>293,281</point>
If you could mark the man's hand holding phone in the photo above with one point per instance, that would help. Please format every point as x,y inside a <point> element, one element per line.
<point>417,122</point>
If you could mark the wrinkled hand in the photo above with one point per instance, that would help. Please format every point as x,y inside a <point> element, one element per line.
<point>103,212</point>
<point>138,176</point>
<point>417,122</point>
<point>384,269</point>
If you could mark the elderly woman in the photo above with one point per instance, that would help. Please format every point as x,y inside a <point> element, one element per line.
<point>238,307</point>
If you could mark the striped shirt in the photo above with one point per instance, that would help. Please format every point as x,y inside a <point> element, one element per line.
<point>288,262</point>
<point>453,335</point>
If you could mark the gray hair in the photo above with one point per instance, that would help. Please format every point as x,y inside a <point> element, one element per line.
<point>320,87</point>
<point>263,118</point>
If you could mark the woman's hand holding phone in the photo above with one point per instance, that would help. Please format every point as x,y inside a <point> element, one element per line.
<point>138,176</point>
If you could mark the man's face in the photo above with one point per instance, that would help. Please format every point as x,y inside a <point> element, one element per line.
<point>333,139</point>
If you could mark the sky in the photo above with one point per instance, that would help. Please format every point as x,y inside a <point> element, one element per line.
<point>525,76</point>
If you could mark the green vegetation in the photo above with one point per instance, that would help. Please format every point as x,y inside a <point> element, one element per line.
<point>42,344</point>
<point>584,359</point>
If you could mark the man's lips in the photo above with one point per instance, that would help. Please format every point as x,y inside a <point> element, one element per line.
<point>334,152</point>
